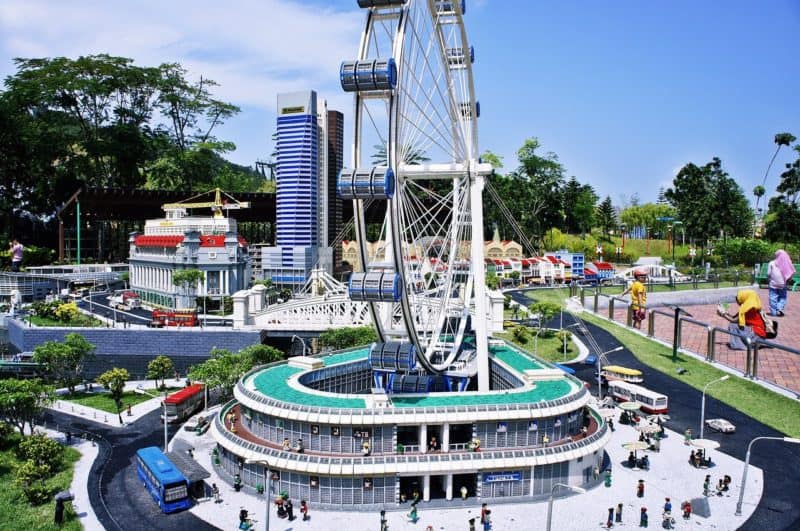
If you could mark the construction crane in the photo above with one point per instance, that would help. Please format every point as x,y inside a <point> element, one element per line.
<point>178,210</point>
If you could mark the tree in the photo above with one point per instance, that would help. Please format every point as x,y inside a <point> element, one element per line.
<point>708,202</point>
<point>783,218</point>
<point>492,282</point>
<point>781,139</point>
<point>160,367</point>
<point>409,155</point>
<point>21,401</point>
<point>606,216</point>
<point>646,215</point>
<point>222,370</point>
<point>103,102</point>
<point>578,204</point>
<point>31,478</point>
<point>98,121</point>
<point>348,337</point>
<point>532,194</point>
<point>114,380</point>
<point>42,450</point>
<point>545,311</point>
<point>64,361</point>
<point>262,354</point>
<point>187,280</point>
<point>520,334</point>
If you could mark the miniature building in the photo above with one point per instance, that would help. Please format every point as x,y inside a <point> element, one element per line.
<point>210,244</point>
<point>308,211</point>
<point>514,444</point>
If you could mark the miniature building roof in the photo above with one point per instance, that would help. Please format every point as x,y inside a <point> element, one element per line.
<point>603,265</point>
<point>216,240</point>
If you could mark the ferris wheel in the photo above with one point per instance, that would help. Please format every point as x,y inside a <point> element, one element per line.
<point>415,160</point>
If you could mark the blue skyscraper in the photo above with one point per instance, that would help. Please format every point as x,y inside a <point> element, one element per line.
<point>308,212</point>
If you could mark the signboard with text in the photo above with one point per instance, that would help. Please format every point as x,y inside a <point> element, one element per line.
<point>507,476</point>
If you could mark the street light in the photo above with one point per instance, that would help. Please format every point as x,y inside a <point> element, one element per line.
<point>267,486</point>
<point>600,378</point>
<point>703,402</point>
<point>563,328</point>
<point>302,342</point>
<point>747,464</point>
<point>140,390</point>
<point>579,490</point>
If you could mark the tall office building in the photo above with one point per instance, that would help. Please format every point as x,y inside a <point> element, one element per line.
<point>308,211</point>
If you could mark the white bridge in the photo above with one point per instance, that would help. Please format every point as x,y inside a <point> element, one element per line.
<point>322,304</point>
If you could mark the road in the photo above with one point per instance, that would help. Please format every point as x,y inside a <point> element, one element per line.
<point>118,498</point>
<point>98,304</point>
<point>778,509</point>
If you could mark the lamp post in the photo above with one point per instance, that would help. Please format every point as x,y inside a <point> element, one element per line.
<point>747,464</point>
<point>579,490</point>
<point>140,390</point>
<point>302,342</point>
<point>703,402</point>
<point>267,487</point>
<point>565,337</point>
<point>600,378</point>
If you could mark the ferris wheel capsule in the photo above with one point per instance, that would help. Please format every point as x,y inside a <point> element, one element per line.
<point>366,183</point>
<point>368,76</point>
<point>375,286</point>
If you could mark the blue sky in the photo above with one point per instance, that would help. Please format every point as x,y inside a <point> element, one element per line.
<point>624,92</point>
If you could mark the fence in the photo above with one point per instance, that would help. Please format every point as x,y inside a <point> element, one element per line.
<point>762,359</point>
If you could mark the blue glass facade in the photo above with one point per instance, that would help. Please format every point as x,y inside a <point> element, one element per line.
<point>297,197</point>
<point>298,171</point>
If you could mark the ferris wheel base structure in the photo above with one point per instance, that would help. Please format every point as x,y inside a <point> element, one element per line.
<point>319,429</point>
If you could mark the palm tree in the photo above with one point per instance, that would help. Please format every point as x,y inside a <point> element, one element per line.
<point>781,139</point>
<point>412,156</point>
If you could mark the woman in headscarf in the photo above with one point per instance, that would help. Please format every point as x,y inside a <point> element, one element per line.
<point>749,313</point>
<point>779,273</point>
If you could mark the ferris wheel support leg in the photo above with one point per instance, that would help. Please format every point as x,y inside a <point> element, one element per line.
<point>479,322</point>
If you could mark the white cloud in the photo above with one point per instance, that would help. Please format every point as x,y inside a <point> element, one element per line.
<point>252,48</point>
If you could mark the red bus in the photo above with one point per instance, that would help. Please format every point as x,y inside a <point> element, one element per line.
<point>182,404</point>
<point>163,318</point>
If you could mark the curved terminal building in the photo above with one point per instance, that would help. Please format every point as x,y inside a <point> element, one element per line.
<point>316,429</point>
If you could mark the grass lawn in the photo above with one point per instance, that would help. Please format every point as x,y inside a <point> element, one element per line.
<point>83,321</point>
<point>104,402</point>
<point>16,512</point>
<point>547,348</point>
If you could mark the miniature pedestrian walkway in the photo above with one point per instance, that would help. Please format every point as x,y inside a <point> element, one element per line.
<point>670,475</point>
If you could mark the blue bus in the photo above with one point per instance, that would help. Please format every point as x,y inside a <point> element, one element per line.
<point>166,484</point>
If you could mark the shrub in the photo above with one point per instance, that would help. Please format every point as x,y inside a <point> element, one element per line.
<point>30,477</point>
<point>67,312</point>
<point>41,450</point>
<point>520,334</point>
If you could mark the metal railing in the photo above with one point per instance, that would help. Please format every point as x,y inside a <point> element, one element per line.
<point>301,461</point>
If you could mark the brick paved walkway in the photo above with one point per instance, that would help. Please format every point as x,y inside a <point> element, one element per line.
<point>774,365</point>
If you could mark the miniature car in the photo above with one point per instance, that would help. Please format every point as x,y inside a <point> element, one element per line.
<point>720,425</point>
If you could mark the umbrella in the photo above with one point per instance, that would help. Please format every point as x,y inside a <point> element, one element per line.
<point>648,428</point>
<point>658,416</point>
<point>705,444</point>
<point>636,445</point>
<point>630,406</point>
